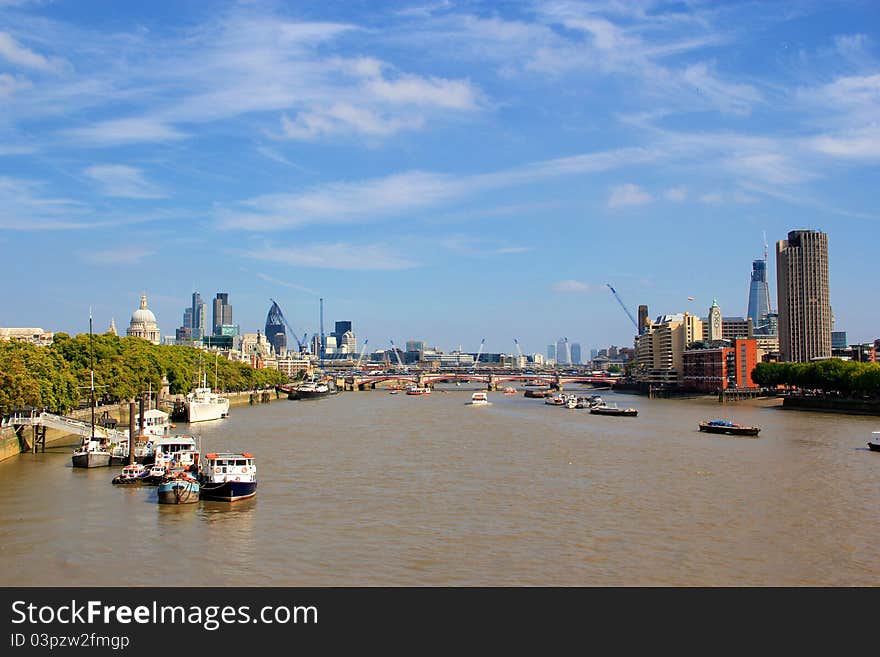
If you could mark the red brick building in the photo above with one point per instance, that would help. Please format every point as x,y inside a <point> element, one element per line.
<point>719,368</point>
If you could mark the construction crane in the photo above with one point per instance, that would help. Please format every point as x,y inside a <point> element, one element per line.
<point>397,353</point>
<point>361,357</point>
<point>289,327</point>
<point>479,352</point>
<point>622,305</point>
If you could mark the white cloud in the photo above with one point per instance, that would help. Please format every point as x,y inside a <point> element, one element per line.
<point>627,195</point>
<point>861,144</point>
<point>14,53</point>
<point>122,181</point>
<point>676,194</point>
<point>712,198</point>
<point>342,118</point>
<point>728,97</point>
<point>366,257</point>
<point>434,92</point>
<point>10,84</point>
<point>572,286</point>
<point>125,131</point>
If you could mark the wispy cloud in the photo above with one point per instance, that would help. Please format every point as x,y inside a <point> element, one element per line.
<point>628,195</point>
<point>293,286</point>
<point>339,255</point>
<point>123,181</point>
<point>124,131</point>
<point>573,286</point>
<point>122,255</point>
<point>18,55</point>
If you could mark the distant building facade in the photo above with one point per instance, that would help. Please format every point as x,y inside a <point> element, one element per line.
<point>222,313</point>
<point>720,367</point>
<point>838,340</point>
<point>143,323</point>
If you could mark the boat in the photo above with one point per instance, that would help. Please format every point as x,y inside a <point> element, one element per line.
<point>417,390</point>
<point>314,389</point>
<point>228,476</point>
<point>536,394</point>
<point>179,488</point>
<point>556,400</point>
<point>479,399</point>
<point>91,454</point>
<point>132,474</point>
<point>509,391</point>
<point>588,402</point>
<point>611,408</point>
<point>143,452</point>
<point>874,443</point>
<point>177,453</point>
<point>204,404</point>
<point>728,427</point>
<point>156,474</point>
<point>571,401</point>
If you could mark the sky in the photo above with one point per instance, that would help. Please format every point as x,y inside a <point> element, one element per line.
<point>437,171</point>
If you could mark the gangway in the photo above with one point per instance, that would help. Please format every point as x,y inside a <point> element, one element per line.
<point>67,424</point>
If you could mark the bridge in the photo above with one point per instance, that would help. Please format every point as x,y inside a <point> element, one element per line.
<point>41,420</point>
<point>491,380</point>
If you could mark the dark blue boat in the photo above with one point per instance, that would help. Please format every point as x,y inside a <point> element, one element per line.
<point>228,476</point>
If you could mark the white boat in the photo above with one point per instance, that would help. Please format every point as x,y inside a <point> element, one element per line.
<point>874,443</point>
<point>91,454</point>
<point>479,399</point>
<point>204,404</point>
<point>571,401</point>
<point>177,453</point>
<point>228,476</point>
<point>416,390</point>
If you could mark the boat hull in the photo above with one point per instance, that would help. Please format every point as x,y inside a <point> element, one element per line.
<point>197,412</point>
<point>229,491</point>
<point>178,491</point>
<point>91,460</point>
<point>730,431</point>
<point>309,394</point>
<point>874,447</point>
<point>616,412</point>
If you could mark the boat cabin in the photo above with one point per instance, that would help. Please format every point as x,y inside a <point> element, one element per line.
<point>229,466</point>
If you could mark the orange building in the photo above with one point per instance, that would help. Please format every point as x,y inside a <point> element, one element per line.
<point>722,367</point>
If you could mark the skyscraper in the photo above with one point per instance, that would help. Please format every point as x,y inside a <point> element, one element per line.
<point>551,352</point>
<point>199,317</point>
<point>643,318</point>
<point>575,353</point>
<point>563,352</point>
<point>276,332</point>
<point>188,318</point>
<point>759,298</point>
<point>803,296</point>
<point>222,312</point>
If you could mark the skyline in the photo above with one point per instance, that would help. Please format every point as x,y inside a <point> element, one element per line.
<point>483,171</point>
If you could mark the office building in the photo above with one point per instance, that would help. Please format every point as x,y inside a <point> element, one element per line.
<point>276,332</point>
<point>551,352</point>
<point>199,317</point>
<point>838,340</point>
<point>563,352</point>
<point>720,367</point>
<point>659,352</point>
<point>222,313</point>
<point>803,296</point>
<point>759,298</point>
<point>415,345</point>
<point>575,353</point>
<point>643,318</point>
<point>188,319</point>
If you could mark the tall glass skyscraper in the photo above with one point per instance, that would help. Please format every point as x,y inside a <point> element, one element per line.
<point>759,298</point>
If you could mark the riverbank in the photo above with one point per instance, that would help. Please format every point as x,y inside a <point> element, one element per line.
<point>831,405</point>
<point>11,444</point>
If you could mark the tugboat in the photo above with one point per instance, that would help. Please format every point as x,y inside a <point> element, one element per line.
<point>729,428</point>
<point>228,476</point>
<point>179,488</point>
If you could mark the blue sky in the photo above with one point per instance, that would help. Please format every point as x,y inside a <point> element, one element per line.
<point>442,171</point>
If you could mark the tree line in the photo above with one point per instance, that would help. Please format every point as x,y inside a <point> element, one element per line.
<point>845,377</point>
<point>57,377</point>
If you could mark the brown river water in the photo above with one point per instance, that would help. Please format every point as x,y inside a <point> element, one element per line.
<point>373,489</point>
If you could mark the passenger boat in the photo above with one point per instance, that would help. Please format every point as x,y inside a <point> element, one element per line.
<point>479,399</point>
<point>204,404</point>
<point>571,401</point>
<point>417,390</point>
<point>179,488</point>
<point>156,474</point>
<point>228,476</point>
<point>179,452</point>
<point>314,390</point>
<point>729,428</point>
<point>611,408</point>
<point>133,474</point>
<point>874,443</point>
<point>556,400</point>
<point>588,402</point>
<point>509,391</point>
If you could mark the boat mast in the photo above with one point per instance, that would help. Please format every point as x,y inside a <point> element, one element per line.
<point>215,370</point>
<point>92,367</point>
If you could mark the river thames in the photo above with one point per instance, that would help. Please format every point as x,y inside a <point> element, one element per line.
<point>373,489</point>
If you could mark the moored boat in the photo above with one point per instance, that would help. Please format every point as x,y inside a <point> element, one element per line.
<point>179,452</point>
<point>611,408</point>
<point>874,443</point>
<point>509,391</point>
<point>132,474</point>
<point>537,394</point>
<point>729,428</point>
<point>91,454</point>
<point>228,476</point>
<point>314,389</point>
<point>418,390</point>
<point>178,488</point>
<point>556,400</point>
<point>203,404</point>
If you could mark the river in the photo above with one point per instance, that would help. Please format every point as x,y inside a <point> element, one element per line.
<point>373,489</point>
